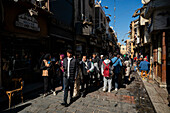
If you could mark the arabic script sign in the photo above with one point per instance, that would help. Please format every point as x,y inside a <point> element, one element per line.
<point>28,22</point>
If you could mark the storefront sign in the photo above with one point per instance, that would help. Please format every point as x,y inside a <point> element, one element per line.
<point>28,22</point>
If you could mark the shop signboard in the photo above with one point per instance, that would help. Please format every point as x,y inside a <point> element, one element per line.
<point>28,22</point>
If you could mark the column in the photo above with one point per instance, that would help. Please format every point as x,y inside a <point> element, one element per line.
<point>155,56</point>
<point>0,66</point>
<point>163,79</point>
<point>133,36</point>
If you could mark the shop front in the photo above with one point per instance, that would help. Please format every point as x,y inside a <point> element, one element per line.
<point>23,39</point>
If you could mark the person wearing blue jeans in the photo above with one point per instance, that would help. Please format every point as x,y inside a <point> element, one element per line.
<point>117,68</point>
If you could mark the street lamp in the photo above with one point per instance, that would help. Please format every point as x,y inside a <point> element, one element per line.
<point>109,15</point>
<point>99,3</point>
<point>106,7</point>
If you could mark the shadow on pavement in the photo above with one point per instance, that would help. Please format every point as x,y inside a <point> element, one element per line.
<point>17,109</point>
<point>132,79</point>
<point>17,100</point>
<point>94,88</point>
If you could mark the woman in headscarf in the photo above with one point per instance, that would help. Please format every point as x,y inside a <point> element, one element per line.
<point>61,70</point>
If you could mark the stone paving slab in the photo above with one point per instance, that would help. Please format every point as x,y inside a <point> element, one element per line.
<point>158,97</point>
<point>126,100</point>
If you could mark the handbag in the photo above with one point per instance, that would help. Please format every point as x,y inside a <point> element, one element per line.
<point>43,67</point>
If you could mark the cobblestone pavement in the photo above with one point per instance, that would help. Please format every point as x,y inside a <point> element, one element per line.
<point>132,99</point>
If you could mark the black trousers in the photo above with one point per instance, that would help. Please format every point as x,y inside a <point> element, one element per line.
<point>95,74</point>
<point>91,74</point>
<point>101,76</point>
<point>49,83</point>
<point>85,81</point>
<point>46,83</point>
<point>52,83</point>
<point>68,83</point>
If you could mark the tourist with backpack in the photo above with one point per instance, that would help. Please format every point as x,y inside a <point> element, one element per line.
<point>117,64</point>
<point>106,71</point>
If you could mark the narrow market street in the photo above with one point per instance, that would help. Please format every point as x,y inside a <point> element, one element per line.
<point>133,99</point>
<point>84,56</point>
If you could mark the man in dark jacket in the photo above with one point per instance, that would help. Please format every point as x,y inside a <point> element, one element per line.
<point>86,68</point>
<point>70,74</point>
<point>95,60</point>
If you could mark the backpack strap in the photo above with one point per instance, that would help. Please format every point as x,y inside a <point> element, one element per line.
<point>105,64</point>
<point>116,60</point>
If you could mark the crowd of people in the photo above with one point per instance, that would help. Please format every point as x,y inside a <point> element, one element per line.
<point>78,76</point>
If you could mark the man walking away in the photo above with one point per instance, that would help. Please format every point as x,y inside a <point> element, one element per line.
<point>70,73</point>
<point>117,67</point>
<point>106,70</point>
<point>144,65</point>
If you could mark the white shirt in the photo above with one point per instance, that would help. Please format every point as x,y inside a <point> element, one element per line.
<point>68,70</point>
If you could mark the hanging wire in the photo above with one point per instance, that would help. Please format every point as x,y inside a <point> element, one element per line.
<point>114,13</point>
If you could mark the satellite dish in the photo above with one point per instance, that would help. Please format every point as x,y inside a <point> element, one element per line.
<point>145,1</point>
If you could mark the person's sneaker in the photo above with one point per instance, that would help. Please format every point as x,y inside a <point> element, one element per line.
<point>64,104</point>
<point>45,95</point>
<point>104,90</point>
<point>83,95</point>
<point>116,89</point>
<point>54,93</point>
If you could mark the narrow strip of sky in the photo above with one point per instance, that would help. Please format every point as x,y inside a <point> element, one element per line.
<point>124,12</point>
